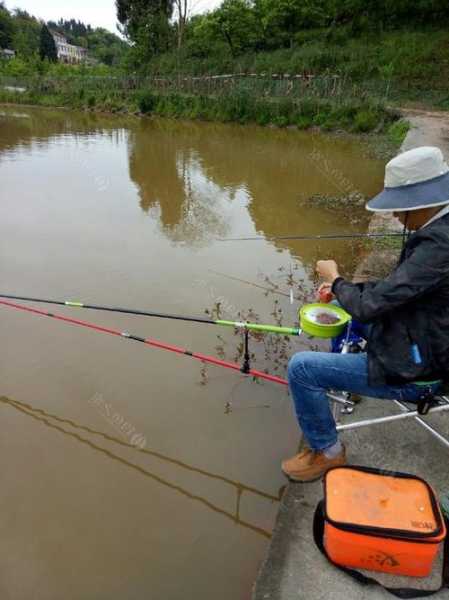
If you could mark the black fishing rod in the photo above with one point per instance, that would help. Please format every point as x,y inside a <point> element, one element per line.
<point>332,236</point>
<point>204,358</point>
<point>132,311</point>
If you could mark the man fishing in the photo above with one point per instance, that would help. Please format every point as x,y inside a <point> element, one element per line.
<point>406,316</point>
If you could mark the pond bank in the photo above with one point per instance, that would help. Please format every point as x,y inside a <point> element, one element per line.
<point>310,110</point>
<point>294,568</point>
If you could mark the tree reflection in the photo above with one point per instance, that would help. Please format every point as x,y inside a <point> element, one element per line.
<point>22,128</point>
<point>189,174</point>
<point>202,181</point>
<point>173,186</point>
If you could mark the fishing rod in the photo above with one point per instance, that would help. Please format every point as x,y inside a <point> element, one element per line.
<point>130,311</point>
<point>204,358</point>
<point>331,236</point>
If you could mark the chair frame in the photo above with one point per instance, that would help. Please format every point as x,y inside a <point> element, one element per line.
<point>342,404</point>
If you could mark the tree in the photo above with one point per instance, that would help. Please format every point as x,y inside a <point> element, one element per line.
<point>104,46</point>
<point>7,27</point>
<point>182,9</point>
<point>282,19</point>
<point>236,22</point>
<point>47,48</point>
<point>27,34</point>
<point>146,23</point>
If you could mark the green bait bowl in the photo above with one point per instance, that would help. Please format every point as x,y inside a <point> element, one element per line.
<point>310,316</point>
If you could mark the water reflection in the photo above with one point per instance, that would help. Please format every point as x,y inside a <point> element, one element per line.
<point>41,127</point>
<point>172,185</point>
<point>202,181</point>
<point>55,422</point>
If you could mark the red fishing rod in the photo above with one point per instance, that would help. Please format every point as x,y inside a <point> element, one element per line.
<point>150,342</point>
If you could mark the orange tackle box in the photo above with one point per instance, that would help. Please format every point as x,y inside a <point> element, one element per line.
<point>381,521</point>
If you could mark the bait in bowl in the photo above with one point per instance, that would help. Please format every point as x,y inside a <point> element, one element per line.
<point>323,320</point>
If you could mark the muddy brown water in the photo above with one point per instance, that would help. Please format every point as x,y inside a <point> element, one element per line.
<point>129,212</point>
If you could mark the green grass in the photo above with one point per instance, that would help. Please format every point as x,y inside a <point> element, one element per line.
<point>397,131</point>
<point>239,106</point>
<point>404,66</point>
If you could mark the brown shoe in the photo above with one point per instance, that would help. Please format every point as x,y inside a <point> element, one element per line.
<point>310,465</point>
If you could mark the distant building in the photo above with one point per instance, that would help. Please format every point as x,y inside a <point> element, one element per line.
<point>8,54</point>
<point>68,53</point>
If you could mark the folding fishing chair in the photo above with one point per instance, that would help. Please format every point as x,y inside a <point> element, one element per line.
<point>429,405</point>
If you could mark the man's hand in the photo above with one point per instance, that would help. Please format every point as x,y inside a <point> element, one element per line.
<point>328,270</point>
<point>324,293</point>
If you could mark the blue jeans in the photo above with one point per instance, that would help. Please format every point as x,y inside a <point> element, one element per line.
<point>311,374</point>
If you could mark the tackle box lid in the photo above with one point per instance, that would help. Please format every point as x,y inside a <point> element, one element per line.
<point>399,505</point>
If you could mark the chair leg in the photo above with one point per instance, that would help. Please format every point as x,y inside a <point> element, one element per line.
<point>404,415</point>
<point>341,404</point>
<point>436,434</point>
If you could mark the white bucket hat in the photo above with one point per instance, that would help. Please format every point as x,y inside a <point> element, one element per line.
<point>415,179</point>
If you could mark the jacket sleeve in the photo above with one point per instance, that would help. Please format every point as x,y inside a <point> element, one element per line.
<point>419,274</point>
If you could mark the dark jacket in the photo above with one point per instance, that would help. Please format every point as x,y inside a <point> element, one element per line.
<point>408,312</point>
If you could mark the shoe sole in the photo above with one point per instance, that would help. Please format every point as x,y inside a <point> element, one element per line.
<point>294,480</point>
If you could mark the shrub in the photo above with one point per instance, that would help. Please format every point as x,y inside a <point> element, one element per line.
<point>281,121</point>
<point>146,101</point>
<point>365,120</point>
<point>303,122</point>
<point>398,131</point>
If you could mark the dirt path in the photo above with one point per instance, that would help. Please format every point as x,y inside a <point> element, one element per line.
<point>428,128</point>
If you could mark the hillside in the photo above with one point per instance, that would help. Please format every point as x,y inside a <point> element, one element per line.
<point>406,65</point>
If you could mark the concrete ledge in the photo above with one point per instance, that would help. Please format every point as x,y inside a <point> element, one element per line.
<point>294,568</point>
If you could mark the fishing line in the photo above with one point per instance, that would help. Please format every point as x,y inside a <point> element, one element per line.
<point>332,236</point>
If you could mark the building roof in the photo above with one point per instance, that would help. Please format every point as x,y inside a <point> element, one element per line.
<point>62,41</point>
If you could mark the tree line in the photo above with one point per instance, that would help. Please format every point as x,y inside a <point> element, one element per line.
<point>29,37</point>
<point>165,36</point>
<point>237,26</point>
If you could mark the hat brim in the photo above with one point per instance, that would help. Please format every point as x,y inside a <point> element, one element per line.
<point>425,194</point>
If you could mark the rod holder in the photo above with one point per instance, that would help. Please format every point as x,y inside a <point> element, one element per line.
<point>246,367</point>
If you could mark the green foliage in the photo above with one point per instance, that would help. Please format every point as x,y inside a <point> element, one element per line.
<point>147,24</point>
<point>23,33</point>
<point>236,23</point>
<point>105,46</point>
<point>16,67</point>
<point>240,26</point>
<point>281,20</point>
<point>7,27</point>
<point>47,46</point>
<point>303,122</point>
<point>146,101</point>
<point>240,105</point>
<point>398,131</point>
<point>366,120</point>
<point>27,34</point>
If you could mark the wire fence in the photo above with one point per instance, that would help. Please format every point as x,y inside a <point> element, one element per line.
<point>265,85</point>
